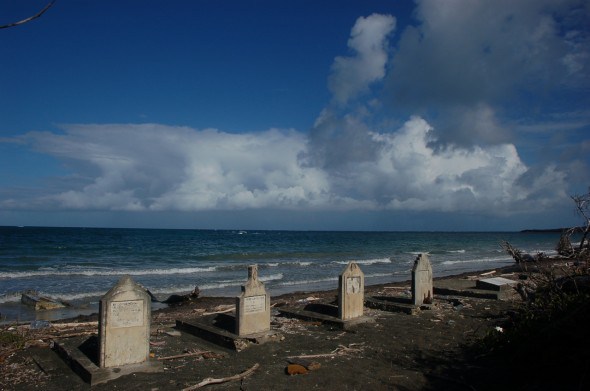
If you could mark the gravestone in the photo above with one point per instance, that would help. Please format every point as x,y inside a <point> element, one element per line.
<point>252,306</point>
<point>351,292</point>
<point>122,346</point>
<point>422,280</point>
<point>124,325</point>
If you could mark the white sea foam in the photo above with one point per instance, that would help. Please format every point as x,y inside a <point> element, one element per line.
<point>272,277</point>
<point>456,251</point>
<point>476,260</point>
<point>10,298</point>
<point>16,297</point>
<point>106,272</point>
<point>75,296</point>
<point>374,275</point>
<point>367,261</point>
<point>305,282</point>
<point>218,284</point>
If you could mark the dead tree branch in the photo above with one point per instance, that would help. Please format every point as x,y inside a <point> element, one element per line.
<point>37,15</point>
<point>211,380</point>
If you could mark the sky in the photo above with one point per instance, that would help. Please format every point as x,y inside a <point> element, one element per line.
<point>458,115</point>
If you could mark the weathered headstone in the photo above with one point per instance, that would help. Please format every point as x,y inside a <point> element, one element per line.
<point>124,325</point>
<point>252,306</point>
<point>351,292</point>
<point>422,281</point>
<point>123,343</point>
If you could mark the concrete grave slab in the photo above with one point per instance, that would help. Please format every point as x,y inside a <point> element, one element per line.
<point>250,325</point>
<point>350,309</point>
<point>122,345</point>
<point>469,288</point>
<point>495,284</point>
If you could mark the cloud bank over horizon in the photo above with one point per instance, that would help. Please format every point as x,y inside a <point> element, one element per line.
<point>379,144</point>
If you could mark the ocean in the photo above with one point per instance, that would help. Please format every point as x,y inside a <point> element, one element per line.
<point>79,265</point>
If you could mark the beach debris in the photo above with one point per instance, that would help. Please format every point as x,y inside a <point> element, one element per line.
<point>180,299</point>
<point>296,369</point>
<point>488,273</point>
<point>173,333</point>
<point>75,325</point>
<point>221,309</point>
<point>211,380</point>
<point>39,324</point>
<point>341,350</point>
<point>193,353</point>
<point>307,364</point>
<point>38,302</point>
<point>308,299</point>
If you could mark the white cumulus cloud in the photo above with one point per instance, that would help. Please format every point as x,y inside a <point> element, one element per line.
<point>368,42</point>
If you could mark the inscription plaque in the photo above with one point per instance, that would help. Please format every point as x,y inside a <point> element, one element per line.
<point>353,284</point>
<point>127,313</point>
<point>253,304</point>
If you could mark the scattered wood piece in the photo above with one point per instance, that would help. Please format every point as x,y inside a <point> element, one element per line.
<point>488,273</point>
<point>157,343</point>
<point>341,350</point>
<point>212,355</point>
<point>74,325</point>
<point>221,310</point>
<point>211,380</point>
<point>189,354</point>
<point>311,322</point>
<point>69,335</point>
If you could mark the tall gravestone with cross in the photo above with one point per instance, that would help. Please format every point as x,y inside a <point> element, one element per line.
<point>252,306</point>
<point>351,292</point>
<point>124,325</point>
<point>422,287</point>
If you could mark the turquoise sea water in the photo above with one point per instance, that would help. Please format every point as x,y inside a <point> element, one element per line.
<point>80,264</point>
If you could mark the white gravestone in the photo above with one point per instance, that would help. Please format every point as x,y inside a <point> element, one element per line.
<point>422,281</point>
<point>351,292</point>
<point>252,306</point>
<point>124,325</point>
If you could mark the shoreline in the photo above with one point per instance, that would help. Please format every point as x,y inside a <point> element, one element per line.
<point>90,310</point>
<point>428,349</point>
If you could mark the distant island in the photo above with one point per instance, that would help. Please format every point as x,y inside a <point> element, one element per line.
<point>545,230</point>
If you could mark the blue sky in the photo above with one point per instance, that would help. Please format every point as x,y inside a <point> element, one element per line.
<point>372,115</point>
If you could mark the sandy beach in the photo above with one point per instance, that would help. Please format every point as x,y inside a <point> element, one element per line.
<point>434,349</point>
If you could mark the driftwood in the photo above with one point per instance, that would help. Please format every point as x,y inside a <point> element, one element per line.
<point>208,353</point>
<point>341,350</point>
<point>211,380</point>
<point>220,311</point>
<point>74,325</point>
<point>515,253</point>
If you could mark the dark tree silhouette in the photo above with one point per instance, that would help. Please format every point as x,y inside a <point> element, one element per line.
<point>38,14</point>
